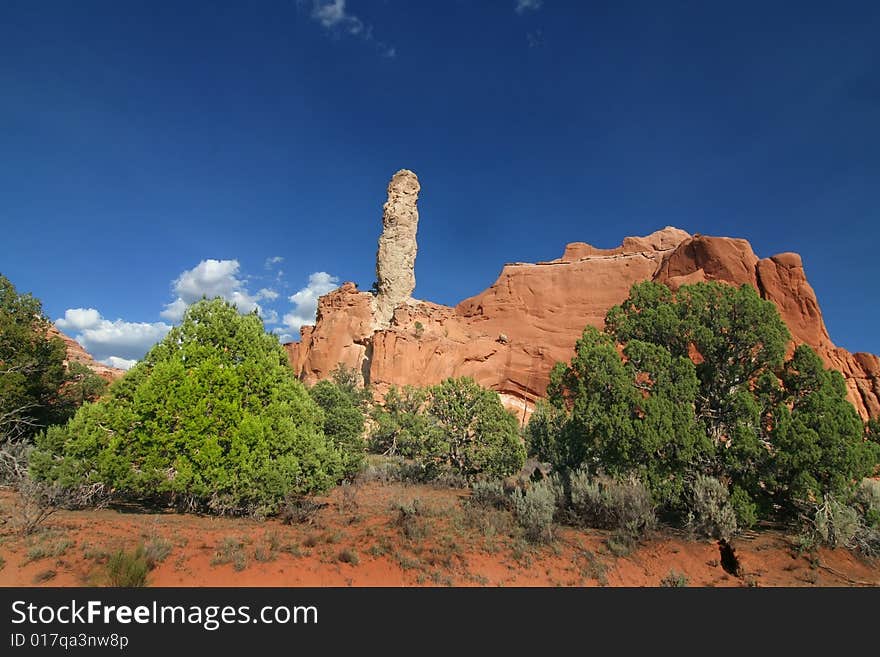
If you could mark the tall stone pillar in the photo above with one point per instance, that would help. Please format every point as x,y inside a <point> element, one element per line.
<point>396,257</point>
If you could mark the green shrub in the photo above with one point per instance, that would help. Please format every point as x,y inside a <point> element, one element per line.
<point>350,382</point>
<point>212,418</point>
<point>819,443</point>
<point>694,381</point>
<point>32,367</point>
<point>343,423</point>
<point>624,505</point>
<point>128,569</point>
<point>402,426</point>
<point>744,507</point>
<point>710,511</point>
<point>534,509</point>
<point>454,428</point>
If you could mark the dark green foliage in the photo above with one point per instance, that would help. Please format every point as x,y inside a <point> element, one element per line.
<point>31,367</point>
<point>542,433</point>
<point>872,435</point>
<point>82,385</point>
<point>457,426</point>
<point>349,381</point>
<point>401,425</point>
<point>343,423</point>
<point>479,436</point>
<point>700,390</point>
<point>633,416</point>
<point>211,418</point>
<point>737,334</point>
<point>818,441</point>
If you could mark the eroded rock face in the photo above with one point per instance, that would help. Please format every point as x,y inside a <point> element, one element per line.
<point>782,280</point>
<point>340,336</point>
<point>396,257</point>
<point>77,354</point>
<point>509,336</point>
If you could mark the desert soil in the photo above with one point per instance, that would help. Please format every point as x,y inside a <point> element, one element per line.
<point>360,537</point>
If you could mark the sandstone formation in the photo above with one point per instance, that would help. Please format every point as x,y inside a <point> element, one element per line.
<point>396,257</point>
<point>509,336</point>
<point>76,354</point>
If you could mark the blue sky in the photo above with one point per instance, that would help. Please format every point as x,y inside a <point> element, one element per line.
<point>153,151</point>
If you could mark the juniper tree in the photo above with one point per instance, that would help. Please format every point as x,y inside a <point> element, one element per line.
<point>213,417</point>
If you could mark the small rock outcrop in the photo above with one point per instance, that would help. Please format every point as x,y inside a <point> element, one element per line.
<point>77,354</point>
<point>396,257</point>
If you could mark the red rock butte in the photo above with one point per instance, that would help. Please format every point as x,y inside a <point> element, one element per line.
<point>509,336</point>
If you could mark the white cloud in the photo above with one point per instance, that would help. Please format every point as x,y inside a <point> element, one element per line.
<point>174,310</point>
<point>210,278</point>
<point>335,17</point>
<point>306,300</point>
<point>121,363</point>
<point>332,14</point>
<point>271,262</point>
<point>270,316</point>
<point>283,336</point>
<point>267,294</point>
<point>528,5</point>
<point>105,339</point>
<point>77,319</point>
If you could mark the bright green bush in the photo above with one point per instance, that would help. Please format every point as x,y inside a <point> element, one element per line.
<point>212,418</point>
<point>343,423</point>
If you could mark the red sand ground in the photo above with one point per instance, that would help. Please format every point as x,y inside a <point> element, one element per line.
<point>358,540</point>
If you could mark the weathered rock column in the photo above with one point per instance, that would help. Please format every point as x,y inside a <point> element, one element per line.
<point>396,257</point>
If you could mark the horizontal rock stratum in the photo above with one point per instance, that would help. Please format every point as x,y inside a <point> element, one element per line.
<point>509,336</point>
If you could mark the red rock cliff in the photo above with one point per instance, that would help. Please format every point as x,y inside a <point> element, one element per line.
<point>509,336</point>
